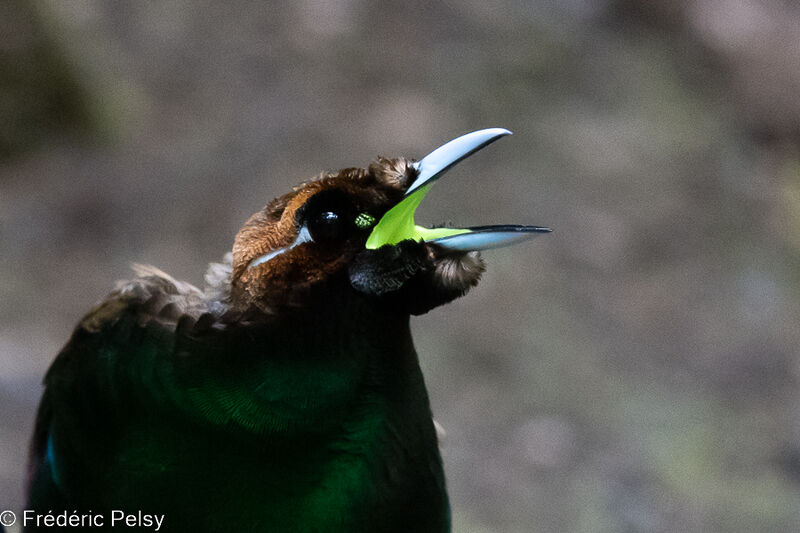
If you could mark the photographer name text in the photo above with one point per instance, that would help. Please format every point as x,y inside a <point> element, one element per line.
<point>115,518</point>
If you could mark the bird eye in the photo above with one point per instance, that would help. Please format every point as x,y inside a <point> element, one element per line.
<point>326,226</point>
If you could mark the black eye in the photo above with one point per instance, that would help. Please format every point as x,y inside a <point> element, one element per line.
<point>326,226</point>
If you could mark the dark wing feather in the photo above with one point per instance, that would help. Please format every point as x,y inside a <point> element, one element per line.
<point>130,332</point>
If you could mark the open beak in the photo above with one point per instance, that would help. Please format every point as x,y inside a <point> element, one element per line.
<point>398,223</point>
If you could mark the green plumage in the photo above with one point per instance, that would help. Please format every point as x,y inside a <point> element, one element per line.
<point>302,423</point>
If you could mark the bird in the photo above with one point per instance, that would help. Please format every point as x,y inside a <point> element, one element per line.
<point>287,394</point>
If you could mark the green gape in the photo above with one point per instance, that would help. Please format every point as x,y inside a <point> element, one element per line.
<point>398,225</point>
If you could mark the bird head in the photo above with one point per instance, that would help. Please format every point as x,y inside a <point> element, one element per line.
<point>354,231</point>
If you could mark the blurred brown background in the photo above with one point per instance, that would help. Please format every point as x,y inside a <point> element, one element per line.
<point>637,370</point>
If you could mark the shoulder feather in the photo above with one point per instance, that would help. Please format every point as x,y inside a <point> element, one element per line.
<point>155,295</point>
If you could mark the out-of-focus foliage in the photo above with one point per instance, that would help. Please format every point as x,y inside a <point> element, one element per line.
<point>40,94</point>
<point>637,370</point>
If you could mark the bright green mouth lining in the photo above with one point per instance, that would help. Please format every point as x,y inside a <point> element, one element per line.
<point>398,224</point>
